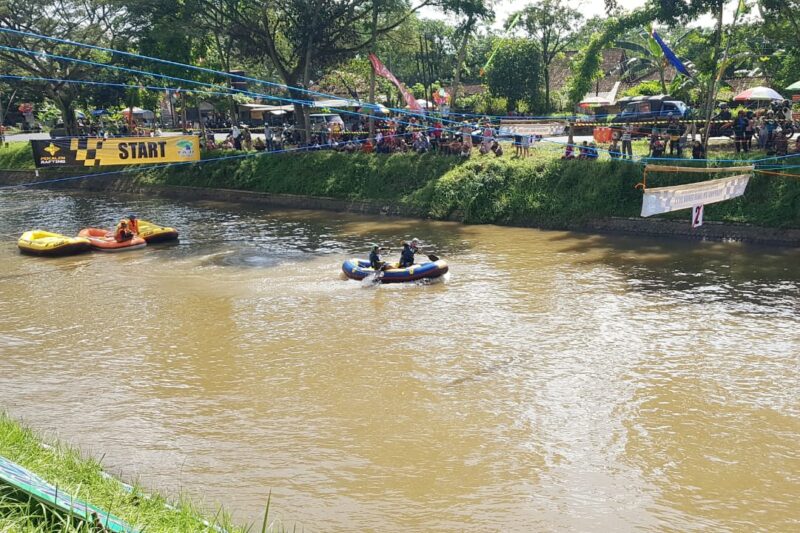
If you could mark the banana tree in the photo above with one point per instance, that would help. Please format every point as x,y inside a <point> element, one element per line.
<point>645,56</point>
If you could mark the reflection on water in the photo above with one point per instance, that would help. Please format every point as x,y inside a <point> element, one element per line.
<point>556,382</point>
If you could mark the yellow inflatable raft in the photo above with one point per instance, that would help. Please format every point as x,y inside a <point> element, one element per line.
<point>155,233</point>
<point>38,242</point>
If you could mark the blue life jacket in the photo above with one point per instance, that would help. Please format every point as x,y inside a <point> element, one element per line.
<point>406,256</point>
<point>375,260</point>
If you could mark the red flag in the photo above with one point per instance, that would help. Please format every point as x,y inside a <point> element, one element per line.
<point>381,70</point>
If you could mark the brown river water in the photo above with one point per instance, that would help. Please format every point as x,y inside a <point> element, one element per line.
<point>555,381</point>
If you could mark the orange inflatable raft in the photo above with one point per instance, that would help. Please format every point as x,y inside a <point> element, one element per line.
<point>104,241</point>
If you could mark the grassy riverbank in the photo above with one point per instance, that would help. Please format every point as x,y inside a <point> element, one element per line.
<point>16,156</point>
<point>539,191</point>
<point>83,478</point>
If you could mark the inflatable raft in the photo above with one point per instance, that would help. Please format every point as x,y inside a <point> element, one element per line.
<point>359,269</point>
<point>104,241</point>
<point>154,233</point>
<point>38,242</point>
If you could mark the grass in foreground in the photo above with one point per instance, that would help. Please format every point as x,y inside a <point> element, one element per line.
<point>84,478</point>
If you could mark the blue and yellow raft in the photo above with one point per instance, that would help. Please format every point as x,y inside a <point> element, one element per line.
<point>359,269</point>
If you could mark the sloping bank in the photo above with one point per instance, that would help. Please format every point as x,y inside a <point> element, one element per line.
<point>537,192</point>
<point>554,194</point>
<point>83,478</point>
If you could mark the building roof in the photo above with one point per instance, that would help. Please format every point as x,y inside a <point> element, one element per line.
<point>741,84</point>
<point>612,65</point>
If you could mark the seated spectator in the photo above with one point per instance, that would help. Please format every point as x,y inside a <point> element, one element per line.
<point>497,149</point>
<point>592,152</point>
<point>259,144</point>
<point>698,152</point>
<point>420,146</point>
<point>466,150</point>
<point>613,149</point>
<point>569,152</point>
<point>657,149</point>
<point>484,148</point>
<point>584,150</point>
<point>367,147</point>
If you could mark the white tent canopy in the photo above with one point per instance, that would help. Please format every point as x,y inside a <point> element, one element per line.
<point>139,112</point>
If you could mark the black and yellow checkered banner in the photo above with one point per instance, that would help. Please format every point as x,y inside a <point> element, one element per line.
<point>97,152</point>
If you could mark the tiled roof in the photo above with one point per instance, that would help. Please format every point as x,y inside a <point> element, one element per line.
<point>739,85</point>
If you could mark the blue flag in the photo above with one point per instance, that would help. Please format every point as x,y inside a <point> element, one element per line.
<point>670,55</point>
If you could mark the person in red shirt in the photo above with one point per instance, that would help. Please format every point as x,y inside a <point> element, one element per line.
<point>133,224</point>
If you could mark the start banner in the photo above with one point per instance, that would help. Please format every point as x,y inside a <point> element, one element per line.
<point>666,199</point>
<point>97,152</point>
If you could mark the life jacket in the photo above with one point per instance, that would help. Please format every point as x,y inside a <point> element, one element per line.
<point>133,225</point>
<point>122,233</point>
<point>406,256</point>
<point>375,260</point>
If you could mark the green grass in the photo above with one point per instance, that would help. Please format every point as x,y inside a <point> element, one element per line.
<point>83,478</point>
<point>541,190</point>
<point>16,156</point>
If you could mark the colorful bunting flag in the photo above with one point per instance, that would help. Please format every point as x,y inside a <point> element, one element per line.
<point>383,72</point>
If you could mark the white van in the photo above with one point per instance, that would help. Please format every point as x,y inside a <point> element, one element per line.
<point>329,118</point>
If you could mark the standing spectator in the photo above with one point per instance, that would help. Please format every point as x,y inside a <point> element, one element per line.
<point>488,134</point>
<point>739,127</point>
<point>526,145</point>
<point>236,137</point>
<point>247,138</point>
<point>761,128</point>
<point>627,135</point>
<point>772,127</point>
<point>749,131</point>
<point>466,135</point>
<point>613,149</point>
<point>517,144</point>
<point>674,132</point>
<point>787,112</point>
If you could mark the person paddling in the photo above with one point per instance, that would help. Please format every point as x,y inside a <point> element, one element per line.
<point>407,253</point>
<point>375,262</point>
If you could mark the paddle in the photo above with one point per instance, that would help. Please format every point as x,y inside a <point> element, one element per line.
<point>433,258</point>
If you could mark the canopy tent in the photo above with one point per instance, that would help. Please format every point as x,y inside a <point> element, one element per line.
<point>377,109</point>
<point>139,112</point>
<point>99,112</point>
<point>336,102</point>
<point>794,87</point>
<point>758,94</point>
<point>595,101</point>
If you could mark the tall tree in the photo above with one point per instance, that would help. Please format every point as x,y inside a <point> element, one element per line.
<point>515,74</point>
<point>553,26</point>
<point>86,21</point>
<point>300,38</point>
<point>470,14</point>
